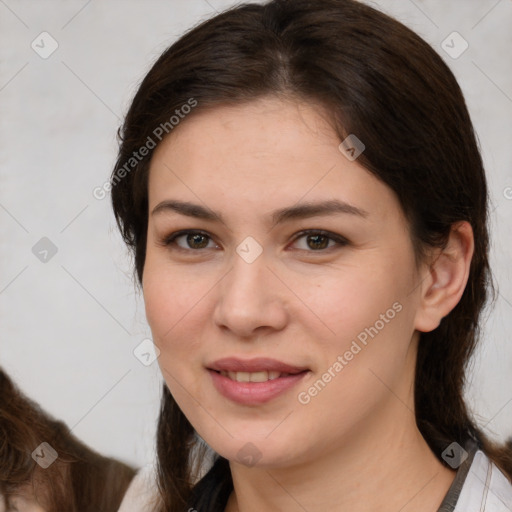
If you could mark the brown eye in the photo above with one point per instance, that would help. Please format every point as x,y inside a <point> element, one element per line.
<point>193,240</point>
<point>317,240</point>
<point>196,240</point>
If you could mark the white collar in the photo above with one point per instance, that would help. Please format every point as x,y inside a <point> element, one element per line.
<point>485,489</point>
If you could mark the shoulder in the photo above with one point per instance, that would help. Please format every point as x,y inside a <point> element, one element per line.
<point>486,488</point>
<point>142,493</point>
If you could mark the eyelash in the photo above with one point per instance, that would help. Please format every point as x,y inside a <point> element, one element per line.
<point>171,239</point>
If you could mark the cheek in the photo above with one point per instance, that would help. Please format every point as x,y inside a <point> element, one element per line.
<point>349,301</point>
<point>380,319</point>
<point>371,312</point>
<point>175,315</point>
<point>160,304</point>
<point>170,300</point>
<point>178,310</point>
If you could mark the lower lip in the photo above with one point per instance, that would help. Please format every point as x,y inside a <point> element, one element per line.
<point>251,393</point>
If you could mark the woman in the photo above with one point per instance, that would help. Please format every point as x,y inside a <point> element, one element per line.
<point>303,193</point>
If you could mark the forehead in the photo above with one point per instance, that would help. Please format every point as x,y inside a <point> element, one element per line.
<point>262,153</point>
<point>254,129</point>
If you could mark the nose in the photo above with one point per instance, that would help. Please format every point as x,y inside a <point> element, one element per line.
<point>251,299</point>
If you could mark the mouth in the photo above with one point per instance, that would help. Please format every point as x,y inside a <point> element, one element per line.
<point>254,381</point>
<point>260,376</point>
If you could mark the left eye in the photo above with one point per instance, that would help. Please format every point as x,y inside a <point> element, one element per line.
<point>317,240</point>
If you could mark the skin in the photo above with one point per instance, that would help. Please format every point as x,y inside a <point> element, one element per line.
<point>303,301</point>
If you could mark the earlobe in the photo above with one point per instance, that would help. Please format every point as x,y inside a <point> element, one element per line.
<point>446,278</point>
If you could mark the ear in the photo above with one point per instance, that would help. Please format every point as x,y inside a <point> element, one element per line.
<point>444,280</point>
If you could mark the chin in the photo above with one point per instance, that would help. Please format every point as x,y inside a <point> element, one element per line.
<point>256,450</point>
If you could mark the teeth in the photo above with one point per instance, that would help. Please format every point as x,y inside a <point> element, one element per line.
<point>240,376</point>
<point>252,376</point>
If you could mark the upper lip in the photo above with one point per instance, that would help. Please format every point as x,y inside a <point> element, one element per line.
<point>258,364</point>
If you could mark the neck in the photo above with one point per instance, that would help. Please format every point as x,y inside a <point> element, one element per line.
<point>392,473</point>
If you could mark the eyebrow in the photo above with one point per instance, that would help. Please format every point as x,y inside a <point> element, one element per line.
<point>300,211</point>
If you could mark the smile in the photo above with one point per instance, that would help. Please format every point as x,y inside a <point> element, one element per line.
<point>261,376</point>
<point>254,388</point>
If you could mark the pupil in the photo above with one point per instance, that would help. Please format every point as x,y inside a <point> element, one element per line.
<point>193,238</point>
<point>316,237</point>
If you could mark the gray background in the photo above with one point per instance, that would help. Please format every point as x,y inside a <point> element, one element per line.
<point>69,325</point>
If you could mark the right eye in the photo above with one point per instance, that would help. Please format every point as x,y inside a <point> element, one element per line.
<point>193,240</point>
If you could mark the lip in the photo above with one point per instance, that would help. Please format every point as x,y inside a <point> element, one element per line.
<point>257,364</point>
<point>254,393</point>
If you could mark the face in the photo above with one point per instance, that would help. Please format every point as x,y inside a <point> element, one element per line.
<point>294,270</point>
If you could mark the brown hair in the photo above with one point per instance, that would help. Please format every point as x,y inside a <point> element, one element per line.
<point>79,480</point>
<point>380,81</point>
